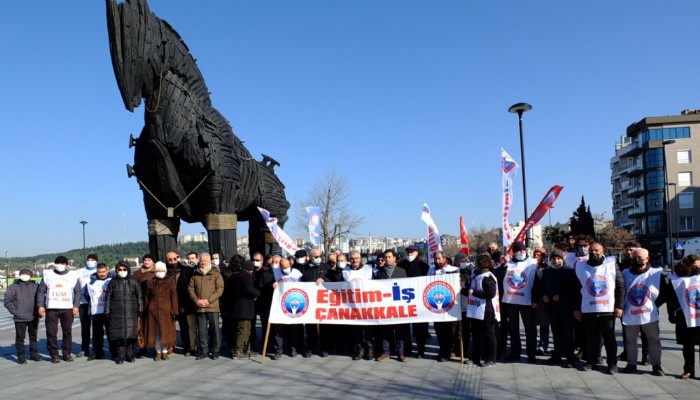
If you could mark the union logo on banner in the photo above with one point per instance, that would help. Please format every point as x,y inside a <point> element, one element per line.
<point>439,297</point>
<point>638,295</point>
<point>692,297</point>
<point>295,303</point>
<point>597,286</point>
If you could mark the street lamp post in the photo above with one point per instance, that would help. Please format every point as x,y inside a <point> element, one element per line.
<point>521,108</point>
<point>83,222</point>
<point>7,270</point>
<point>667,202</point>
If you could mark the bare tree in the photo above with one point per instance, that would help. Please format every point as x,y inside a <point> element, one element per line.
<point>614,239</point>
<point>480,237</point>
<point>330,193</point>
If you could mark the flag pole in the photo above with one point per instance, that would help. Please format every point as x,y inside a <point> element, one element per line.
<point>264,351</point>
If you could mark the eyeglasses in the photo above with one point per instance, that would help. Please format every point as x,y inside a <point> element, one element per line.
<point>171,259</point>
<point>121,269</point>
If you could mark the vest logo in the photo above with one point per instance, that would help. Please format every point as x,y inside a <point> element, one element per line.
<point>516,279</point>
<point>638,295</point>
<point>597,286</point>
<point>692,297</point>
<point>439,297</point>
<point>295,303</point>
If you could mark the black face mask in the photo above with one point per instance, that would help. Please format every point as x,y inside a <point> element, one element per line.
<point>595,260</point>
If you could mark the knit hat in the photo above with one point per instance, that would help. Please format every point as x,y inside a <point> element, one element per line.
<point>249,266</point>
<point>92,256</point>
<point>61,260</point>
<point>145,256</point>
<point>556,253</point>
<point>26,271</point>
<point>519,246</point>
<point>160,265</point>
<point>300,253</point>
<point>540,250</point>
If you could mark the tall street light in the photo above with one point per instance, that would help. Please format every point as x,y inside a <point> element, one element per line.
<point>667,202</point>
<point>7,270</point>
<point>521,108</point>
<point>83,222</point>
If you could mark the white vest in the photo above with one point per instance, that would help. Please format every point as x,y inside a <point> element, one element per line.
<point>360,274</point>
<point>84,276</point>
<point>293,276</point>
<point>447,269</point>
<point>59,289</point>
<point>476,307</point>
<point>642,291</point>
<point>517,284</point>
<point>688,292</point>
<point>96,292</point>
<point>597,286</point>
<point>572,260</point>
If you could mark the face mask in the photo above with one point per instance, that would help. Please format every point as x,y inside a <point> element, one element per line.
<point>410,258</point>
<point>342,264</point>
<point>192,264</point>
<point>373,258</point>
<point>160,274</point>
<point>301,260</point>
<point>286,271</point>
<point>555,265</point>
<point>60,267</point>
<point>582,251</point>
<point>275,265</point>
<point>594,260</point>
<point>463,265</point>
<point>520,256</point>
<point>24,278</point>
<point>256,264</point>
<point>122,274</point>
<point>317,260</point>
<point>639,262</point>
<point>91,264</point>
<point>215,262</point>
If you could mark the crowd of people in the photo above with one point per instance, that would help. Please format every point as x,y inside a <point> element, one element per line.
<point>575,292</point>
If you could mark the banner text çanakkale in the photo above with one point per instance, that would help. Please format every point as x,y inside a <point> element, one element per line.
<point>373,302</point>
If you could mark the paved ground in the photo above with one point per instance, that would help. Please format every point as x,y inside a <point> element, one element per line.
<point>326,378</point>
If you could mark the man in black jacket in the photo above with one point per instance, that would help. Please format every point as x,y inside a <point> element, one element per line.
<point>241,307</point>
<point>390,333</point>
<point>20,300</point>
<point>558,289</point>
<point>414,267</point>
<point>316,334</point>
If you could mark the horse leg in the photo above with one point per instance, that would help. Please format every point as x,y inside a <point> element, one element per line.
<point>222,233</point>
<point>162,236</point>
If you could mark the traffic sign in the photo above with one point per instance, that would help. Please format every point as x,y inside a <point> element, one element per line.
<point>679,245</point>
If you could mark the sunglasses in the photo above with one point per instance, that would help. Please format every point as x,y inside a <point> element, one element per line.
<point>121,269</point>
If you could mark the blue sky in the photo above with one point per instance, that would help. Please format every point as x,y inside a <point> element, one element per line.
<point>406,99</point>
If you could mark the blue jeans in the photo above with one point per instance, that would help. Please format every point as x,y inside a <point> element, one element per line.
<point>208,322</point>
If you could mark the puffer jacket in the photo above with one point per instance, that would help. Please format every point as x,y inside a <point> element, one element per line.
<point>123,305</point>
<point>208,286</point>
<point>20,300</point>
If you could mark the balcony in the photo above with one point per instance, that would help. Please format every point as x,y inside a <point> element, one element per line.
<point>636,191</point>
<point>636,169</point>
<point>624,185</point>
<point>636,212</point>
<point>626,203</point>
<point>620,222</point>
<point>629,150</point>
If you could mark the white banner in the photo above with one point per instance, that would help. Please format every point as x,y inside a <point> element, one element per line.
<point>434,241</point>
<point>372,302</point>
<point>509,168</point>
<point>285,242</point>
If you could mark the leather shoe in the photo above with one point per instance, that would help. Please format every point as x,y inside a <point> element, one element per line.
<point>200,357</point>
<point>401,358</point>
<point>21,360</point>
<point>359,356</point>
<point>35,358</point>
<point>277,356</point>
<point>323,354</point>
<point>55,360</point>
<point>657,371</point>
<point>68,358</point>
<point>686,375</point>
<point>630,369</point>
<point>382,357</point>
<point>120,361</point>
<point>214,356</point>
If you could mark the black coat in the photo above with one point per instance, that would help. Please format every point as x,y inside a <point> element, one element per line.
<point>414,268</point>
<point>241,296</point>
<point>21,300</point>
<point>560,282</point>
<point>183,297</point>
<point>334,274</point>
<point>488,292</point>
<point>123,305</point>
<point>311,272</point>
<point>263,279</point>
<point>397,273</point>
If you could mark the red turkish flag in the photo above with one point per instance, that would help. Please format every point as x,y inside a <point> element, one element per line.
<point>463,237</point>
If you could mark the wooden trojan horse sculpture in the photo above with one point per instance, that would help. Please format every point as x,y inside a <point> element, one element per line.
<point>188,162</point>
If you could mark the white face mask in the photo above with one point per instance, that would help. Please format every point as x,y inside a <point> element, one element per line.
<point>410,258</point>
<point>256,263</point>
<point>160,274</point>
<point>24,278</point>
<point>215,262</point>
<point>60,267</point>
<point>317,260</point>
<point>463,265</point>
<point>123,274</point>
<point>342,264</point>
<point>286,271</point>
<point>520,256</point>
<point>91,263</point>
<point>301,260</point>
<point>275,265</point>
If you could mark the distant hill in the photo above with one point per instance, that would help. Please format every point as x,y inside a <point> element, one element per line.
<point>107,253</point>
